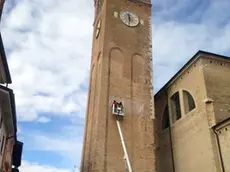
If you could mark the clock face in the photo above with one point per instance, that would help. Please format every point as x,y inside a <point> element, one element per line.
<point>98,28</point>
<point>129,18</point>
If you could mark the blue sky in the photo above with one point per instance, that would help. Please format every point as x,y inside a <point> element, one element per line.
<point>48,46</point>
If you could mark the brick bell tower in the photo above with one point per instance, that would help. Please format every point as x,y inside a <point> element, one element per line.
<point>121,70</point>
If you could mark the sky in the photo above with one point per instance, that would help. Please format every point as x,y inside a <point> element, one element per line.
<point>48,47</point>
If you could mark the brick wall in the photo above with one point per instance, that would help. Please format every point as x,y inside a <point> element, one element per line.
<point>122,71</point>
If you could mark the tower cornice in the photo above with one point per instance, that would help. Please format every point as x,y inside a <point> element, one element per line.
<point>145,2</point>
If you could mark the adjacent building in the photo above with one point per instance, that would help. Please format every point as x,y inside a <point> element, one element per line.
<point>10,147</point>
<point>193,117</point>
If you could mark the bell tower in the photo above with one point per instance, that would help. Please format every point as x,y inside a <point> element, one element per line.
<point>121,70</point>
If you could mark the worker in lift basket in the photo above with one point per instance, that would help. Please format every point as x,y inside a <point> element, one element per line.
<point>117,108</point>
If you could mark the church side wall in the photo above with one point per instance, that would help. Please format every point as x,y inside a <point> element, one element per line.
<point>163,153</point>
<point>217,81</point>
<point>191,147</point>
<point>223,134</point>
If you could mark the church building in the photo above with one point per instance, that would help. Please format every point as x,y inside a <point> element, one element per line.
<point>193,117</point>
<point>185,127</point>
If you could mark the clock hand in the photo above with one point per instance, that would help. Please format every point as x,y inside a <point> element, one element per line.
<point>129,18</point>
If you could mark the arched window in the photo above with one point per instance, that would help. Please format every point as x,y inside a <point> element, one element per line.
<point>175,105</point>
<point>165,119</point>
<point>189,103</point>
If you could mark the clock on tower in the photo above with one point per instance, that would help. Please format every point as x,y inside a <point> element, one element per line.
<point>121,71</point>
<point>129,18</point>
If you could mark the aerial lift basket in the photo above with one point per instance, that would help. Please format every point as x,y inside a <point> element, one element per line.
<point>118,111</point>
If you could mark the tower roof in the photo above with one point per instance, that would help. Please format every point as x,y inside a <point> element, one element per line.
<point>142,1</point>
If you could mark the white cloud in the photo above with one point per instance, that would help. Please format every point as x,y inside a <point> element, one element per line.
<point>24,21</point>
<point>52,55</point>
<point>49,54</point>
<point>66,142</point>
<point>174,43</point>
<point>26,114</point>
<point>182,28</point>
<point>43,119</point>
<point>36,167</point>
<point>55,144</point>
